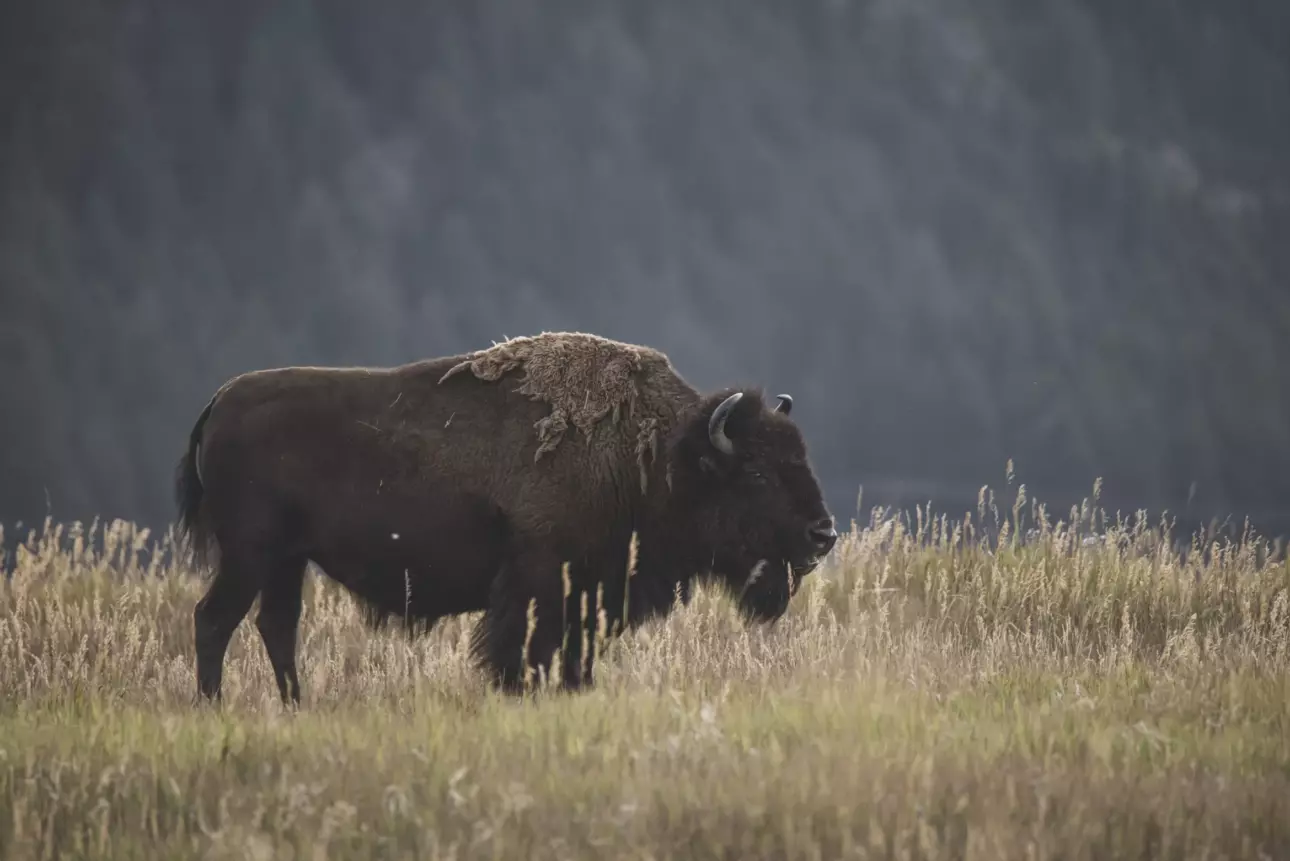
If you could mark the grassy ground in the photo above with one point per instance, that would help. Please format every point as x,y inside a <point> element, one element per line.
<point>926,697</point>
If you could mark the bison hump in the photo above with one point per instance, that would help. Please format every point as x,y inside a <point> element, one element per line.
<point>583,377</point>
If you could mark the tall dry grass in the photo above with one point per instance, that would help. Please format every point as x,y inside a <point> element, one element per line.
<point>1087,693</point>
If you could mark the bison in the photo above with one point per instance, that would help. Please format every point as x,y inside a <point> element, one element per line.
<point>442,486</point>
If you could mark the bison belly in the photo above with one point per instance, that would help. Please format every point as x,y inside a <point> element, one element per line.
<point>427,554</point>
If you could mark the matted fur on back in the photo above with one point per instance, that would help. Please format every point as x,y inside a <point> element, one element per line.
<point>587,378</point>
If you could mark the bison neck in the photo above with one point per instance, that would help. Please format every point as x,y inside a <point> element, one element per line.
<point>670,554</point>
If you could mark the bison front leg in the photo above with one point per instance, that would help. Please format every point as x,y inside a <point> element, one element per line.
<point>578,639</point>
<point>593,610</point>
<point>522,629</point>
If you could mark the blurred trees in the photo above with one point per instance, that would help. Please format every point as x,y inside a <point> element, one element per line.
<point>1046,231</point>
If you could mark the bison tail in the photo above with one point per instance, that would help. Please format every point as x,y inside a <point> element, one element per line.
<point>191,524</point>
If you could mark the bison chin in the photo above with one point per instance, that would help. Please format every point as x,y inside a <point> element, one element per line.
<point>770,588</point>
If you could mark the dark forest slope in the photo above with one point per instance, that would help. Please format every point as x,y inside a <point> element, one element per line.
<point>958,233</point>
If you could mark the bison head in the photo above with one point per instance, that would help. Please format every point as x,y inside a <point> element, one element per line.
<point>753,498</point>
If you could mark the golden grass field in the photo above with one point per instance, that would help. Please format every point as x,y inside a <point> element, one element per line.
<point>928,696</point>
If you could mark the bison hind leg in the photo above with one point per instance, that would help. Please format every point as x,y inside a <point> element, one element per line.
<point>218,613</point>
<point>278,622</point>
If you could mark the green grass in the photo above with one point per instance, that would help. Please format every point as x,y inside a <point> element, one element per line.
<point>928,696</point>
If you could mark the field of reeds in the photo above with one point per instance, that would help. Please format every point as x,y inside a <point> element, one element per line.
<point>1095,691</point>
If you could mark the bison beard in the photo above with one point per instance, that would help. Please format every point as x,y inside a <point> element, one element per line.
<point>441,487</point>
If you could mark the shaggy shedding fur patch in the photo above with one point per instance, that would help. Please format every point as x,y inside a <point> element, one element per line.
<point>646,443</point>
<point>583,377</point>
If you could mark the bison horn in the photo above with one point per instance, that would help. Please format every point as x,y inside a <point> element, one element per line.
<point>785,404</point>
<point>717,424</point>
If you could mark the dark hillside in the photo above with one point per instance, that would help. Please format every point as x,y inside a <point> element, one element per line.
<point>1051,231</point>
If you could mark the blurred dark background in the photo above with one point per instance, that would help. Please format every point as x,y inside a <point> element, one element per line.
<point>956,233</point>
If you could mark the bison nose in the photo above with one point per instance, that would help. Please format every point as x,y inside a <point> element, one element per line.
<point>823,535</point>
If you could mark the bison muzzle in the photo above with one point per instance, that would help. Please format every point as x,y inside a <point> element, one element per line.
<point>476,482</point>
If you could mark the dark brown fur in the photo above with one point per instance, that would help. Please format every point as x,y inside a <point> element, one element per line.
<point>421,489</point>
